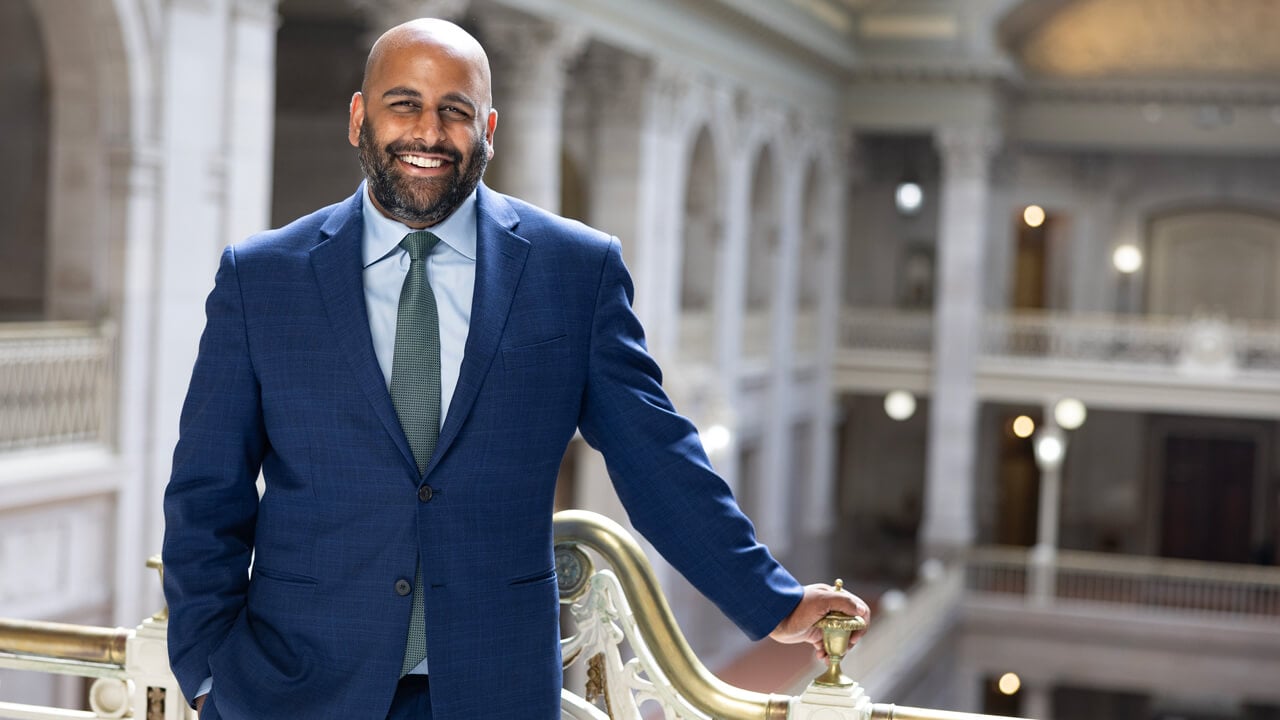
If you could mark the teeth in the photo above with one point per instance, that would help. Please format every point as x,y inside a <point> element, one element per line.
<point>421,161</point>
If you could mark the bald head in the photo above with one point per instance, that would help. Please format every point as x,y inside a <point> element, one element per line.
<point>431,35</point>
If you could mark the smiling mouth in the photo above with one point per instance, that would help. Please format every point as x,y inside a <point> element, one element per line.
<point>422,162</point>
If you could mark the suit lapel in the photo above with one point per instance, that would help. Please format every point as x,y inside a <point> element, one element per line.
<point>338,264</point>
<point>500,259</point>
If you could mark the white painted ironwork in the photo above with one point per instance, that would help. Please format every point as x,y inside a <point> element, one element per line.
<point>603,619</point>
<point>57,384</point>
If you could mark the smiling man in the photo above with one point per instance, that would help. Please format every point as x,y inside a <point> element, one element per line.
<point>405,369</point>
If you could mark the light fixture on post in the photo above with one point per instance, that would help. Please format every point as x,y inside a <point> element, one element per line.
<point>1050,443</point>
<point>1127,260</point>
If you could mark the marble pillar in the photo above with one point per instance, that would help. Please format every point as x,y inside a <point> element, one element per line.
<point>966,154</point>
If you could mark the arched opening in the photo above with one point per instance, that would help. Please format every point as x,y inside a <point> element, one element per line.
<point>24,186</point>
<point>1222,262</point>
<point>699,272</point>
<point>762,245</point>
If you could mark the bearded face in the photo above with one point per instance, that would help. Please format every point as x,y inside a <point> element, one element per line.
<point>420,201</point>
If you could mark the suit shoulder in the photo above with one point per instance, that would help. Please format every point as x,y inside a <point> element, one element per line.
<point>541,226</point>
<point>298,236</point>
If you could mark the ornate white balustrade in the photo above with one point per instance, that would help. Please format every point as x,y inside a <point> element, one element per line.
<point>57,384</point>
<point>1195,344</point>
<point>1142,583</point>
<point>612,608</point>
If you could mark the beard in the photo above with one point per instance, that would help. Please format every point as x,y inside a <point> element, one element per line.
<point>420,201</point>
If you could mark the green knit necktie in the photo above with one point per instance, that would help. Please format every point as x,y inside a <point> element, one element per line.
<point>415,392</point>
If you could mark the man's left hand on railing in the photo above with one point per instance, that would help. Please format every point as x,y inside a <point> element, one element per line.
<point>819,599</point>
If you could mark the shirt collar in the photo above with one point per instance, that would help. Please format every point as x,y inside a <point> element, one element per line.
<point>382,235</point>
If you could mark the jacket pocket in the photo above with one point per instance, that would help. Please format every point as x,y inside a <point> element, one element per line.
<point>540,353</point>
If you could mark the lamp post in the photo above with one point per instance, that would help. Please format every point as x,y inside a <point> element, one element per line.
<point>1050,450</point>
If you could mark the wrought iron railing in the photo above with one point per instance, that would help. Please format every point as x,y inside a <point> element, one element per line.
<point>57,384</point>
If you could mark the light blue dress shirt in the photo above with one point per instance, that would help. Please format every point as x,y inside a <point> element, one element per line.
<point>451,270</point>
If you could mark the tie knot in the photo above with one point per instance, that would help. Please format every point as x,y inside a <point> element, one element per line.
<point>419,244</point>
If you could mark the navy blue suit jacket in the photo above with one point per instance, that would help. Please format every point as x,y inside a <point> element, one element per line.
<point>286,382</point>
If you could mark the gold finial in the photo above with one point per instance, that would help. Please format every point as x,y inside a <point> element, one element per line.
<point>837,631</point>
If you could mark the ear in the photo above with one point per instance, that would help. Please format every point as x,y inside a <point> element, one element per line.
<point>491,125</point>
<point>356,111</point>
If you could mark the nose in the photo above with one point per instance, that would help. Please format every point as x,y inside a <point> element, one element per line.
<point>429,128</point>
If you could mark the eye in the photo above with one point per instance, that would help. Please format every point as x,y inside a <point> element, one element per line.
<point>404,105</point>
<point>454,110</point>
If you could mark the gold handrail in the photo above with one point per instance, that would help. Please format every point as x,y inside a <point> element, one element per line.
<point>61,641</point>
<point>658,627</point>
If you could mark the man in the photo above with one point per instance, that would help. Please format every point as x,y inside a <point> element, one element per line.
<point>407,397</point>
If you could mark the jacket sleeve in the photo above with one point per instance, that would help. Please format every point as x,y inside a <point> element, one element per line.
<point>662,475</point>
<point>211,502</point>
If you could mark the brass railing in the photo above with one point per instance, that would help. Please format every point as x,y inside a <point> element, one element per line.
<point>575,529</point>
<point>134,679</point>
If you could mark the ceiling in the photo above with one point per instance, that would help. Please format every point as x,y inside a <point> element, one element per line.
<point>1171,39</point>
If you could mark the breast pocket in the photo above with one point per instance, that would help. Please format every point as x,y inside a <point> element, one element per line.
<point>546,352</point>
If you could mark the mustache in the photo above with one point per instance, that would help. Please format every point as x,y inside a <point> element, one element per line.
<point>400,148</point>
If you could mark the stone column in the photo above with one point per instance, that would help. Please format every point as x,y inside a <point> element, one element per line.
<point>820,507</point>
<point>193,92</point>
<point>529,59</point>
<point>957,321</point>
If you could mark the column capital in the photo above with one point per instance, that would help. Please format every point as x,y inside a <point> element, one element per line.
<point>387,14</point>
<point>531,51</point>
<point>967,151</point>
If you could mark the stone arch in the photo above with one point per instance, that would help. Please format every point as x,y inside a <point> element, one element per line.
<point>763,231</point>
<point>92,80</point>
<point>700,252</point>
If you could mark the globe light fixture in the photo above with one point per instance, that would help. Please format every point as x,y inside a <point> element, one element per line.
<point>1050,448</point>
<point>1023,426</point>
<point>1033,216</point>
<point>1127,259</point>
<point>1069,413</point>
<point>716,438</point>
<point>1009,683</point>
<point>900,405</point>
<point>908,197</point>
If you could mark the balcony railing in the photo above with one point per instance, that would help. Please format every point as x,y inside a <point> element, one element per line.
<point>1205,590</point>
<point>57,384</point>
<point>613,608</point>
<point>1190,344</point>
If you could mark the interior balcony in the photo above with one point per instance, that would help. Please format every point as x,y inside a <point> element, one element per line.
<point>1197,365</point>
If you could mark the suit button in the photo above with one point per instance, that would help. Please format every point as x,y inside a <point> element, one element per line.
<point>403,587</point>
<point>425,492</point>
